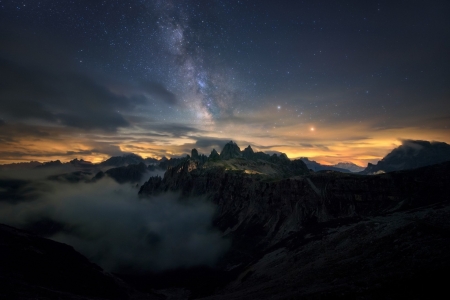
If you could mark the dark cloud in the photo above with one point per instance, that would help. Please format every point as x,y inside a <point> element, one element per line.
<point>38,82</point>
<point>143,90</point>
<point>2,123</point>
<point>14,131</point>
<point>160,92</point>
<point>66,98</point>
<point>169,129</point>
<point>261,147</point>
<point>81,152</point>
<point>211,143</point>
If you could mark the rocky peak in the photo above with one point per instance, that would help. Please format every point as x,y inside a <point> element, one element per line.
<point>230,150</point>
<point>214,155</point>
<point>283,156</point>
<point>194,154</point>
<point>248,152</point>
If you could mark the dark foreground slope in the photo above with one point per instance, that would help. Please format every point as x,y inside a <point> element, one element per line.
<point>326,235</point>
<point>403,255</point>
<point>32,267</point>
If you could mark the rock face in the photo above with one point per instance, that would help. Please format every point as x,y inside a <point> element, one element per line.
<point>320,234</point>
<point>247,200</point>
<point>230,150</point>
<point>411,155</point>
<point>32,267</point>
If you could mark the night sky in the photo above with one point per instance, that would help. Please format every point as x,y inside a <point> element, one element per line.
<point>329,80</point>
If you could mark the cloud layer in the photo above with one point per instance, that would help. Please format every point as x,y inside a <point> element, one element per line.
<point>113,227</point>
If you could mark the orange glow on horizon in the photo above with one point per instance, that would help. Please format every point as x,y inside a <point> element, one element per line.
<point>356,143</point>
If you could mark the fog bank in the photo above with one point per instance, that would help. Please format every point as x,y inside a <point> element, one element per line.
<point>113,227</point>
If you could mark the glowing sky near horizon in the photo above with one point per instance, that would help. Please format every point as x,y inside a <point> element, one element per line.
<point>330,80</point>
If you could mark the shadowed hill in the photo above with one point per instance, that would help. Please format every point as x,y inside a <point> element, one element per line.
<point>411,155</point>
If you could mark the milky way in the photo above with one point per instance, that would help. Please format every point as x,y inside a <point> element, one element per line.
<point>328,80</point>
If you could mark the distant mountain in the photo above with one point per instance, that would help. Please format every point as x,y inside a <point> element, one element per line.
<point>150,160</point>
<point>50,164</point>
<point>315,166</point>
<point>118,161</point>
<point>21,166</point>
<point>80,163</point>
<point>349,166</point>
<point>411,155</point>
<point>165,163</point>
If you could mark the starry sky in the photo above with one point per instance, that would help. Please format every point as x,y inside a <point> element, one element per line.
<point>329,80</point>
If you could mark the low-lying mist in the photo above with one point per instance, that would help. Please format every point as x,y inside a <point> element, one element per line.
<point>115,228</point>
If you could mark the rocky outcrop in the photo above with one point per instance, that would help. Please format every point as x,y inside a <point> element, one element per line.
<point>194,154</point>
<point>411,155</point>
<point>214,156</point>
<point>230,150</point>
<point>248,153</point>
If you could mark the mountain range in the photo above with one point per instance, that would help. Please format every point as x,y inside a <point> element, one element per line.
<point>411,154</point>
<point>293,231</point>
